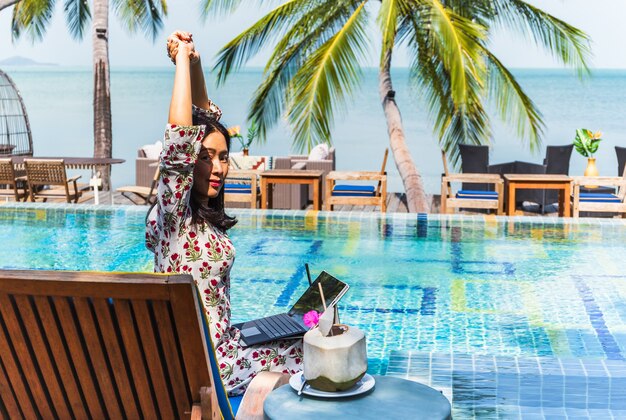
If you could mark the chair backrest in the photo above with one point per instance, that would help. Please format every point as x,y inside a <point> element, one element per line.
<point>331,157</point>
<point>102,345</point>
<point>45,171</point>
<point>445,163</point>
<point>7,172</point>
<point>474,158</point>
<point>621,192</point>
<point>8,177</point>
<point>382,171</point>
<point>445,170</point>
<point>153,185</point>
<point>557,159</point>
<point>621,159</point>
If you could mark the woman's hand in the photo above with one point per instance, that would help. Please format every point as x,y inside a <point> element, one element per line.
<point>180,41</point>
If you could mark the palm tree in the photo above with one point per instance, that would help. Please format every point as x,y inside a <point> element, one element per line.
<point>319,46</point>
<point>33,16</point>
<point>7,3</point>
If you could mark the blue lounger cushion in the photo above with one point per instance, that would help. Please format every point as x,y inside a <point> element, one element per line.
<point>477,195</point>
<point>599,198</point>
<point>238,188</point>
<point>354,190</point>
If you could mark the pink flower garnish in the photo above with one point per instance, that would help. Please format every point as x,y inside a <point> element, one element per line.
<point>311,318</point>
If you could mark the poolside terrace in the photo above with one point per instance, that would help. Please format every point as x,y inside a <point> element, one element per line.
<point>396,203</point>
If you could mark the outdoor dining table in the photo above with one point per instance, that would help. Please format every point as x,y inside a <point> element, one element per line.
<point>563,183</point>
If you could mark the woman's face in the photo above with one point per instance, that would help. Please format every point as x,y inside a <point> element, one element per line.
<point>211,167</point>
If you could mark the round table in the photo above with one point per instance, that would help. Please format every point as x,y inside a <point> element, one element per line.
<point>390,398</point>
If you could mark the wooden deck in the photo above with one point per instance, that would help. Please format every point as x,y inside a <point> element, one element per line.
<point>396,202</point>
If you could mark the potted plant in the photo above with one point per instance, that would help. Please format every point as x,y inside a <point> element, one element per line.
<point>235,132</point>
<point>586,143</point>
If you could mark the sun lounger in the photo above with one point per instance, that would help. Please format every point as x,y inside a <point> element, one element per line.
<point>140,194</point>
<point>107,345</point>
<point>357,194</point>
<point>242,187</point>
<point>599,202</point>
<point>480,198</point>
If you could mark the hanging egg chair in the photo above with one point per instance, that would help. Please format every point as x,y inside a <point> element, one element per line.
<point>15,135</point>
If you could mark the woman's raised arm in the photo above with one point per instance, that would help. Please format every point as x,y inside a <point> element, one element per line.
<point>199,96</point>
<point>180,104</point>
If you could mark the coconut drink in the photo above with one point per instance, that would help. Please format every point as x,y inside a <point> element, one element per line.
<point>335,356</point>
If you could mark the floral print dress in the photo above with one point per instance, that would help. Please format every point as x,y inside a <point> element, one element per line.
<point>206,253</point>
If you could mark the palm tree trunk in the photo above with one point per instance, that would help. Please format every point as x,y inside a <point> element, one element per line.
<point>102,132</point>
<point>6,3</point>
<point>412,180</point>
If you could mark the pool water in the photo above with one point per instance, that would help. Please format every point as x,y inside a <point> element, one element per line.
<point>436,295</point>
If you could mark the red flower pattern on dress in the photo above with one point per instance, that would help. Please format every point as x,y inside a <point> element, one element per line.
<point>208,255</point>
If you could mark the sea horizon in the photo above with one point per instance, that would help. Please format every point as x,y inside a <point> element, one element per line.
<point>59,99</point>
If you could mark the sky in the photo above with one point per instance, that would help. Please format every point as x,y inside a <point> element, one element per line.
<point>603,20</point>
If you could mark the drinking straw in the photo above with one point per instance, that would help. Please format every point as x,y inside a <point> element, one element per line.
<point>324,303</point>
<point>308,273</point>
<point>322,294</point>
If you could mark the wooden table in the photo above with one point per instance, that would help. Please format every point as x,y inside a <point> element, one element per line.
<point>391,397</point>
<point>563,183</point>
<point>290,176</point>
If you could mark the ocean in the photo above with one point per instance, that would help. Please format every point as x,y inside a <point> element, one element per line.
<point>59,105</point>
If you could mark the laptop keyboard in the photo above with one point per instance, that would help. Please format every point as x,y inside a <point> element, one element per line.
<point>279,326</point>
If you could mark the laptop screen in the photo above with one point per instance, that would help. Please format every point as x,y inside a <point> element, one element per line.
<point>311,300</point>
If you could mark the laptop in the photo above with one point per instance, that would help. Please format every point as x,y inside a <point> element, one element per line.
<point>290,323</point>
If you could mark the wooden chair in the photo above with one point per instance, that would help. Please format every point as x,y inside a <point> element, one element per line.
<point>11,185</point>
<point>470,199</point>
<point>359,195</point>
<point>599,202</point>
<point>106,345</point>
<point>145,195</point>
<point>50,172</point>
<point>242,187</point>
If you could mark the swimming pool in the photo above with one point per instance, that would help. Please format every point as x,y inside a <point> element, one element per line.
<point>441,298</point>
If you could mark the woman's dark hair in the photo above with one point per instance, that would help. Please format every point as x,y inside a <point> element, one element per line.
<point>213,212</point>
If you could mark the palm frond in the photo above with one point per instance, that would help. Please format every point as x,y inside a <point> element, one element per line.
<point>458,40</point>
<point>32,17</point>
<point>388,22</point>
<point>77,15</point>
<point>454,122</point>
<point>145,15</point>
<point>218,7</point>
<point>513,103</point>
<point>330,74</point>
<point>565,42</point>
<point>306,35</point>
<point>245,45</point>
<point>479,11</point>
